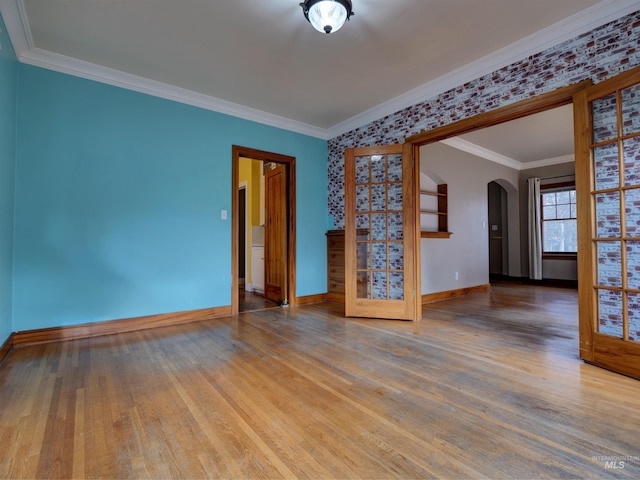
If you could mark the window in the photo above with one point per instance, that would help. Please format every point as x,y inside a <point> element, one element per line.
<point>559,228</point>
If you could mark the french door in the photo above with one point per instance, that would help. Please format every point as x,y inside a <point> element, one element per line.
<point>607,122</point>
<point>381,236</point>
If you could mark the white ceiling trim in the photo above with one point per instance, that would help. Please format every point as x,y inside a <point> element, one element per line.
<point>549,161</point>
<point>478,151</point>
<point>110,76</point>
<point>466,146</point>
<point>15,19</point>
<point>13,12</point>
<point>583,22</point>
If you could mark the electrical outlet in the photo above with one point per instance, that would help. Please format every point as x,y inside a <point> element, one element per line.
<point>456,275</point>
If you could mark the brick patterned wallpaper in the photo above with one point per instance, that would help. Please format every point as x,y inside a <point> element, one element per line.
<point>634,316</point>
<point>598,55</point>
<point>610,312</point>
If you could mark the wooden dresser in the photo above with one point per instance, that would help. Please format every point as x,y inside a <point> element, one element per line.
<point>335,266</point>
<point>335,263</point>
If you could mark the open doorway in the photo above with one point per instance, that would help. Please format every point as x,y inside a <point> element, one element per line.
<point>269,247</point>
<point>532,141</point>
<point>487,211</point>
<point>251,245</point>
<point>503,223</point>
<point>497,231</point>
<point>468,210</point>
<point>538,146</point>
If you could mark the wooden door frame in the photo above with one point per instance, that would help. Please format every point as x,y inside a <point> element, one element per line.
<point>546,101</point>
<point>290,162</point>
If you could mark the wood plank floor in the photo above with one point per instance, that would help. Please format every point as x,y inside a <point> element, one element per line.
<point>250,301</point>
<point>486,386</point>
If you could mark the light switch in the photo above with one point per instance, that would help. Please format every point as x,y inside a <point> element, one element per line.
<point>223,214</point>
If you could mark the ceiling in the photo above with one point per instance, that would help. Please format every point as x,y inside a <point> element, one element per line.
<point>537,140</point>
<point>263,61</point>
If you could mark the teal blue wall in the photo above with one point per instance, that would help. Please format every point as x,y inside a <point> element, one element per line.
<point>8,81</point>
<point>118,197</point>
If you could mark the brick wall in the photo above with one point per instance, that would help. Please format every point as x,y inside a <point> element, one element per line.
<point>610,312</point>
<point>598,55</point>
<point>634,316</point>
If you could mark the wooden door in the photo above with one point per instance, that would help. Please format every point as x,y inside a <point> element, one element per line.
<point>381,234</point>
<point>607,122</point>
<point>275,234</point>
<point>242,235</point>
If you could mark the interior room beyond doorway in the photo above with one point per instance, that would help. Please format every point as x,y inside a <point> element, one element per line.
<point>251,238</point>
<point>268,185</point>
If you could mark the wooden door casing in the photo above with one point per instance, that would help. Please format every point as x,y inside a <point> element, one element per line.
<point>238,152</point>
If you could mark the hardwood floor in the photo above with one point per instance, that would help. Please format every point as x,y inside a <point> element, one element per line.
<point>486,386</point>
<point>249,301</point>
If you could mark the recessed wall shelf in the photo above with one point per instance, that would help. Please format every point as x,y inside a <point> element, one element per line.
<point>441,211</point>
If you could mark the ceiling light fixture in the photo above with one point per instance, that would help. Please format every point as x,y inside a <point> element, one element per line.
<point>327,15</point>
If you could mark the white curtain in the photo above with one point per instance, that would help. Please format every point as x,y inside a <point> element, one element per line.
<point>535,233</point>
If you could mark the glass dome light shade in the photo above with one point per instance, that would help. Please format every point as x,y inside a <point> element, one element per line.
<point>327,16</point>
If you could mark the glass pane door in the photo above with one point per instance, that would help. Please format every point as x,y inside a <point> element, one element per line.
<point>380,269</point>
<point>616,193</point>
<point>380,234</point>
<point>607,119</point>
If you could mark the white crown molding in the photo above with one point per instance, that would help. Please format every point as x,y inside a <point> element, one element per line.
<point>17,23</point>
<point>110,76</point>
<point>478,151</point>
<point>466,146</point>
<point>548,161</point>
<point>14,14</point>
<point>567,29</point>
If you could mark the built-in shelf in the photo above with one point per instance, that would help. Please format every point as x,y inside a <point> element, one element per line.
<point>426,234</point>
<point>441,212</point>
<point>437,194</point>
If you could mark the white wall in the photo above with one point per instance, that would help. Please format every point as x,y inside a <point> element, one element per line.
<point>560,269</point>
<point>467,250</point>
